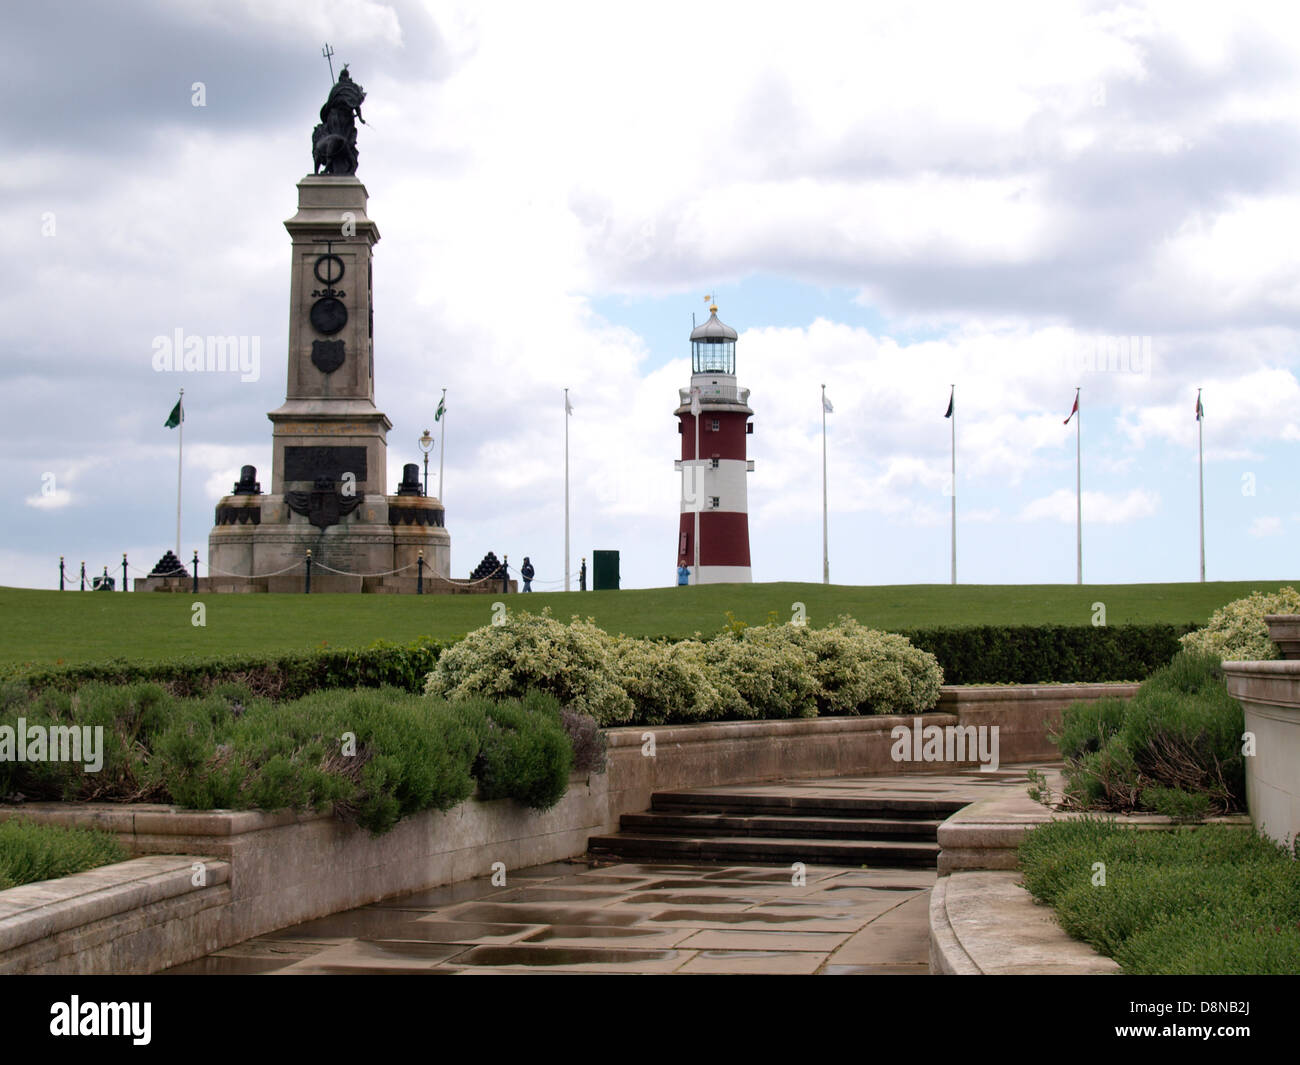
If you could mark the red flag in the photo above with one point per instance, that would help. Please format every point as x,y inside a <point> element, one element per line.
<point>1073,410</point>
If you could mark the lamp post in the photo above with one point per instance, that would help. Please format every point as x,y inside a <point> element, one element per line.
<point>426,445</point>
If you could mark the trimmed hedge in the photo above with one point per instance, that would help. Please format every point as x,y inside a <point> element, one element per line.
<point>984,654</point>
<point>1043,654</point>
<point>282,676</point>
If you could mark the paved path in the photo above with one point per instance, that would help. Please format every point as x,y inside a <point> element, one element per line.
<point>591,916</point>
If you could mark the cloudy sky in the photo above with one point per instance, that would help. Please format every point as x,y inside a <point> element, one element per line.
<point>889,198</point>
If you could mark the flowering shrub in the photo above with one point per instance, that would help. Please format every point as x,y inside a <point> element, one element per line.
<point>672,682</point>
<point>863,671</point>
<point>573,662</point>
<point>762,671</point>
<point>1237,633</point>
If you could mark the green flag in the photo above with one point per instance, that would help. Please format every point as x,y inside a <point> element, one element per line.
<point>442,409</point>
<point>175,417</point>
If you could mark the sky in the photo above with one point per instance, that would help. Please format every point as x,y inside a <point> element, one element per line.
<point>1017,199</point>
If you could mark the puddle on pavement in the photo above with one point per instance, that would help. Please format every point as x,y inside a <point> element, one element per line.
<point>547,956</point>
<point>578,931</point>
<point>746,917</point>
<point>521,913</point>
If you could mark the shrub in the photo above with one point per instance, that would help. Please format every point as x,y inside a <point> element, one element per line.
<point>373,756</point>
<point>864,671</point>
<point>1159,911</point>
<point>30,852</point>
<point>762,672</point>
<point>1179,737</point>
<point>526,755</point>
<point>1043,654</point>
<point>673,682</point>
<point>1236,632</point>
<point>574,663</point>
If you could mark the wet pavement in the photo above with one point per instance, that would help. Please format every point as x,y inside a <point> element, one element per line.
<point>584,916</point>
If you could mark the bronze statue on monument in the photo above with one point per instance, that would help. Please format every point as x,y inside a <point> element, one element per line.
<point>334,140</point>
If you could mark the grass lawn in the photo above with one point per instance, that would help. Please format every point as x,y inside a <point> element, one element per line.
<point>47,627</point>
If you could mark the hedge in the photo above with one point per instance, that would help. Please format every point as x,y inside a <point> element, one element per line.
<point>280,676</point>
<point>1042,654</point>
<point>985,654</point>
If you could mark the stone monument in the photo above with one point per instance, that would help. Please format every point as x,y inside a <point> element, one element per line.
<point>329,472</point>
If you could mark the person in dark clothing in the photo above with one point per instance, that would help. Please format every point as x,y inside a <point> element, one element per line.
<point>526,572</point>
<point>582,576</point>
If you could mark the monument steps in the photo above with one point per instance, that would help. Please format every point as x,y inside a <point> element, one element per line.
<point>708,825</point>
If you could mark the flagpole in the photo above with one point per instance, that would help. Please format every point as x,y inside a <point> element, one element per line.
<point>180,452</point>
<point>1078,489</point>
<point>442,443</point>
<point>1200,456</point>
<point>566,489</point>
<point>826,556</point>
<point>952,399</point>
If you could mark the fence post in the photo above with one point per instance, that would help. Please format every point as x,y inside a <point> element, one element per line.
<point>124,571</point>
<point>196,571</point>
<point>307,589</point>
<point>419,577</point>
<point>83,576</point>
<point>505,573</point>
<point>60,573</point>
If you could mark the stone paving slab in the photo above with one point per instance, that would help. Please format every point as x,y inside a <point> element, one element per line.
<point>612,916</point>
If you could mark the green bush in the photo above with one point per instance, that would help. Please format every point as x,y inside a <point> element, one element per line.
<point>534,652</point>
<point>526,755</point>
<point>1236,632</point>
<point>1179,737</point>
<point>30,852</point>
<point>1046,654</point>
<point>746,671</point>
<point>372,755</point>
<point>1208,900</point>
<point>281,676</point>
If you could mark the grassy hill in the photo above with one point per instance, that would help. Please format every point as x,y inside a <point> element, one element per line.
<point>43,627</point>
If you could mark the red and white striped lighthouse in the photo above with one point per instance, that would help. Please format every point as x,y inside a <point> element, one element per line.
<point>713,419</point>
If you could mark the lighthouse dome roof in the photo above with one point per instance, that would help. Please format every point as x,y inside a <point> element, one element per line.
<point>713,331</point>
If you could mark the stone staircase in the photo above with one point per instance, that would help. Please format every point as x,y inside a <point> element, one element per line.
<point>762,826</point>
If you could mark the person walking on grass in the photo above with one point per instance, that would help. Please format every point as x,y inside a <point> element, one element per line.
<point>683,574</point>
<point>526,571</point>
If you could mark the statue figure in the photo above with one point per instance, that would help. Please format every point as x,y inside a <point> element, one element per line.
<point>334,141</point>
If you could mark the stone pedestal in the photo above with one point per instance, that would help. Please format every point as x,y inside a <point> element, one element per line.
<point>329,475</point>
<point>1269,693</point>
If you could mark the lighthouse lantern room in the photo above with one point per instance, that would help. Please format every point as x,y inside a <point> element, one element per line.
<point>713,418</point>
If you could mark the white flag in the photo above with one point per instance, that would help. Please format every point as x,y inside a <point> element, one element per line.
<point>695,402</point>
<point>826,405</point>
<point>568,407</point>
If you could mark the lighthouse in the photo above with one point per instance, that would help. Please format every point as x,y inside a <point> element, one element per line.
<point>713,418</point>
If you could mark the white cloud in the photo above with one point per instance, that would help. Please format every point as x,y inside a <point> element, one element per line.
<point>1266,526</point>
<point>1099,507</point>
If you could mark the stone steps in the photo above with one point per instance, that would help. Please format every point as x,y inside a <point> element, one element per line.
<point>770,825</point>
<point>777,850</point>
<point>657,823</point>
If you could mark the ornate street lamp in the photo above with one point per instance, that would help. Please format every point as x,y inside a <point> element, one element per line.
<point>426,445</point>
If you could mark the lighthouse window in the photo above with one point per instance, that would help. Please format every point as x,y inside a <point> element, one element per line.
<point>714,461</point>
<point>715,426</point>
<point>715,502</point>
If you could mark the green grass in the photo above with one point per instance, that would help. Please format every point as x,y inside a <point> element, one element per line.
<point>40,627</point>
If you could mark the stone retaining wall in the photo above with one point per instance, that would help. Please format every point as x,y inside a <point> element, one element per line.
<point>276,870</point>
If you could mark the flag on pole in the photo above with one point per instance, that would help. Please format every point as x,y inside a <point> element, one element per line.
<point>175,417</point>
<point>695,402</point>
<point>951,397</point>
<point>1200,411</point>
<point>826,405</point>
<point>442,409</point>
<point>1073,410</point>
<point>568,407</point>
